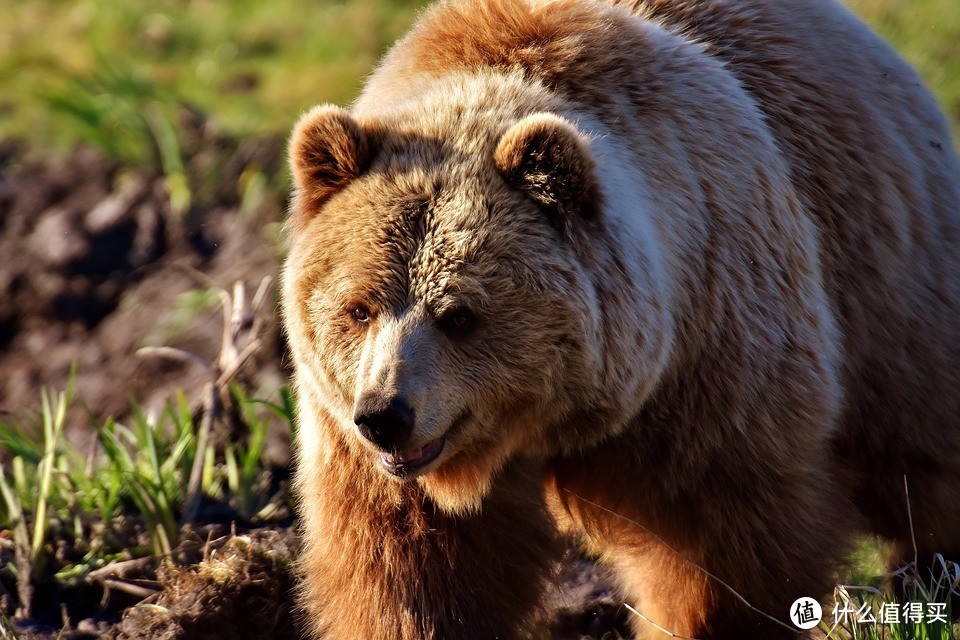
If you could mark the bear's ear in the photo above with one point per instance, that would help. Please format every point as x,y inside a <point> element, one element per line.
<point>547,158</point>
<point>328,149</point>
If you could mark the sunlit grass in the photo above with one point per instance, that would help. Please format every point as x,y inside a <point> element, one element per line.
<point>251,67</point>
<point>139,468</point>
<point>927,34</point>
<point>925,612</point>
<point>153,471</point>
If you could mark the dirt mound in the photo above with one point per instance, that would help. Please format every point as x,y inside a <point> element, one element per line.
<point>241,588</point>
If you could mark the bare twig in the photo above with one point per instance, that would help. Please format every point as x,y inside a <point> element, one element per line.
<point>237,346</point>
<point>135,590</point>
<point>238,311</point>
<point>234,367</point>
<point>118,569</point>
<point>211,395</point>
<point>256,318</point>
<point>228,346</point>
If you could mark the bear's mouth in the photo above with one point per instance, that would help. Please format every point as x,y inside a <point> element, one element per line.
<point>403,463</point>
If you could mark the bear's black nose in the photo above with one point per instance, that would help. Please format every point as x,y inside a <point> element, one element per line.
<point>387,425</point>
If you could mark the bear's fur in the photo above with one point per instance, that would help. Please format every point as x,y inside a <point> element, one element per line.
<point>677,278</point>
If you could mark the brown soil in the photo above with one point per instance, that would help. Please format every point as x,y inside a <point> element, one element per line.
<point>95,266</point>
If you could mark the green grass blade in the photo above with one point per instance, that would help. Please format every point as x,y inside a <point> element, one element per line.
<point>14,511</point>
<point>53,421</point>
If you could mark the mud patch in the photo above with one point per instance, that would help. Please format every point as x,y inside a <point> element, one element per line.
<point>95,264</point>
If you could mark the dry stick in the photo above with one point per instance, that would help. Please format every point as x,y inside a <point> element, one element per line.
<point>685,558</point>
<point>239,302</point>
<point>229,362</point>
<point>228,346</point>
<point>118,569</point>
<point>128,587</point>
<point>234,366</point>
<point>256,318</point>
<point>235,325</point>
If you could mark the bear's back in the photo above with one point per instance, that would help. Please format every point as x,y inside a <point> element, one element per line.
<point>869,151</point>
<point>873,160</point>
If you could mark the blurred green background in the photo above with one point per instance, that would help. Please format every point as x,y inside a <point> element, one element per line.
<point>105,71</point>
<point>81,71</point>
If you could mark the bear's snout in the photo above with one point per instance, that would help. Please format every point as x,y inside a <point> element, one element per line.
<point>386,422</point>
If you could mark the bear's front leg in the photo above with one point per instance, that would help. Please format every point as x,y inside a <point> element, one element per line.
<point>381,562</point>
<point>724,561</point>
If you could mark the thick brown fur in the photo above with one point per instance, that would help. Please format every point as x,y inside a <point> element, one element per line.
<point>693,263</point>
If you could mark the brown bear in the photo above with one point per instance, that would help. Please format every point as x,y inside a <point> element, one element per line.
<point>678,278</point>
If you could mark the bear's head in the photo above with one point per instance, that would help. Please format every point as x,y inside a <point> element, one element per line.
<point>439,293</point>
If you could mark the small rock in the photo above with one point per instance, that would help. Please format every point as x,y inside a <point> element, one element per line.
<point>56,240</point>
<point>116,207</point>
<point>89,626</point>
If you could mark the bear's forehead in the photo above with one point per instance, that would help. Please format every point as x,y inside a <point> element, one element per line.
<point>433,199</point>
<point>399,244</point>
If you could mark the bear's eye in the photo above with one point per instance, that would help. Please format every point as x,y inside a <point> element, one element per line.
<point>458,322</point>
<point>360,314</point>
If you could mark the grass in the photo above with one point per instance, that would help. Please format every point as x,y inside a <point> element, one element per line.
<point>927,34</point>
<point>250,66</point>
<point>124,75</point>
<point>924,613</point>
<point>30,495</point>
<point>153,471</point>
<point>139,469</point>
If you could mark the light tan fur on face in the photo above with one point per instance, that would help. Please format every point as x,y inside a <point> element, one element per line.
<point>713,255</point>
